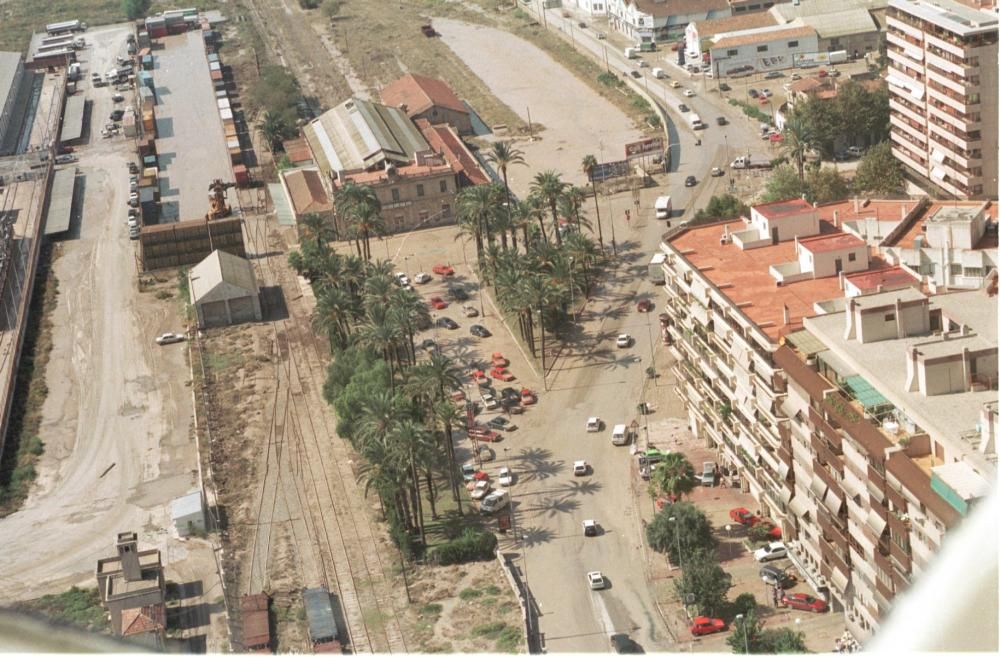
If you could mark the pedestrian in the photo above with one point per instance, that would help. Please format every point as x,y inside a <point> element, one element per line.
<point>628,216</point>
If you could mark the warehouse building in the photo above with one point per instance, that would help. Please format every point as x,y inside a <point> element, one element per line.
<point>224,290</point>
<point>426,98</point>
<point>11,100</point>
<point>771,48</point>
<point>840,24</point>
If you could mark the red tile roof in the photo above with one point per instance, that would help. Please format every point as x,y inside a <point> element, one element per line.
<point>779,209</point>
<point>889,278</point>
<point>141,620</point>
<point>419,94</point>
<point>660,8</point>
<point>444,141</point>
<point>832,242</point>
<point>297,150</point>
<point>713,26</point>
<point>306,191</point>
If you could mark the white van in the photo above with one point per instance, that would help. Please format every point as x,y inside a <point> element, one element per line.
<point>495,501</point>
<point>695,121</point>
<point>631,53</point>
<point>659,74</point>
<point>664,207</point>
<point>619,435</point>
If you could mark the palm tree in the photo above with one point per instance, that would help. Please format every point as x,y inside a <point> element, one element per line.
<point>381,333</point>
<point>571,202</point>
<point>274,128</point>
<point>503,155</point>
<point>798,140</point>
<point>362,211</point>
<point>549,187</point>
<point>540,293</point>
<point>316,229</point>
<point>450,415</point>
<point>674,476</point>
<point>413,442</point>
<point>476,208</point>
<point>335,313</point>
<point>589,164</point>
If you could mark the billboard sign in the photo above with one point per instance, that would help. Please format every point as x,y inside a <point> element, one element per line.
<point>608,170</point>
<point>644,147</point>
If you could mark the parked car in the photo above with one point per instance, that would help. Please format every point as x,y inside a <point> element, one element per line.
<point>489,401</point>
<point>457,293</point>
<point>718,172</point>
<point>479,331</point>
<point>596,580</point>
<point>721,120</point>
<point>448,323</point>
<point>634,73</point>
<point>117,115</point>
<point>590,528</point>
<point>469,311</point>
<point>743,516</point>
<point>482,434</point>
<point>623,645</point>
<point>511,406</point>
<point>724,87</point>
<point>776,576</point>
<point>468,472</point>
<point>421,278</point>
<point>855,151</point>
<point>803,602</point>
<point>707,473</point>
<point>683,108</point>
<point>403,279</point>
<point>674,84</point>
<point>752,93</point>
<point>644,306</point>
<point>65,159</point>
<point>495,501</point>
<point>505,477</point>
<point>580,468</point>
<point>594,424</point>
<point>428,344</point>
<point>795,76</point>
<point>443,270</point>
<point>501,374</point>
<point>527,397</point>
<point>623,341</point>
<point>689,93</point>
<point>510,393</point>
<point>438,303</point>
<point>169,338</point>
<point>766,93</point>
<point>486,453</point>
<point>690,181</point>
<point>498,360</point>
<point>480,490</point>
<point>770,552</point>
<point>499,423</point>
<point>702,625</point>
<point>773,75</point>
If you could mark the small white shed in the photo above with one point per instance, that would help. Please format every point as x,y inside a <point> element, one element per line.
<point>188,513</point>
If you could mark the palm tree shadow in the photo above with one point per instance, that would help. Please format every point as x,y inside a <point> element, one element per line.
<point>552,506</point>
<point>532,536</point>
<point>543,470</point>
<point>587,487</point>
<point>534,455</point>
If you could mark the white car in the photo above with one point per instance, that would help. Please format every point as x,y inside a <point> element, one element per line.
<point>421,278</point>
<point>469,311</point>
<point>596,580</point>
<point>489,401</point>
<point>770,552</point>
<point>580,468</point>
<point>624,341</point>
<point>717,172</point>
<point>403,279</point>
<point>689,92</point>
<point>590,528</point>
<point>593,424</point>
<point>481,490</point>
<point>169,338</point>
<point>505,477</point>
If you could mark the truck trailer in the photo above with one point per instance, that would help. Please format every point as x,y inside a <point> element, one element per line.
<point>751,161</point>
<point>656,274</point>
<point>65,26</point>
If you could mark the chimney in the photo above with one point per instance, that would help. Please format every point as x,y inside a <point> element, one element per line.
<point>402,107</point>
<point>912,380</point>
<point>900,328</point>
<point>964,330</point>
<point>128,554</point>
<point>857,206</point>
<point>836,219</point>
<point>785,314</point>
<point>815,204</point>
<point>850,329</point>
<point>840,279</point>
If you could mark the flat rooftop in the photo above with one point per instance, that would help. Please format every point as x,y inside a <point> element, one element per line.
<point>883,365</point>
<point>831,242</point>
<point>953,209</point>
<point>889,278</point>
<point>953,16</point>
<point>744,277</point>
<point>779,209</point>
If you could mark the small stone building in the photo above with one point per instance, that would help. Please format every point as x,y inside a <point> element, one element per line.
<point>224,290</point>
<point>133,589</point>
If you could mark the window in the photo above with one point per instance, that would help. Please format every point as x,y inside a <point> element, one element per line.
<point>732,53</point>
<point>793,44</point>
<point>444,186</point>
<point>395,195</point>
<point>422,215</point>
<point>420,190</point>
<point>851,257</point>
<point>761,48</point>
<point>956,269</point>
<point>445,209</point>
<point>398,220</point>
<point>890,317</point>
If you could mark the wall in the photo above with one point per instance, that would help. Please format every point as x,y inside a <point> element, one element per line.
<point>873,325</point>
<point>460,121</point>
<point>410,211</point>
<point>825,263</point>
<point>789,227</point>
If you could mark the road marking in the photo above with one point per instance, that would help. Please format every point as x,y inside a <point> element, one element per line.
<point>602,610</point>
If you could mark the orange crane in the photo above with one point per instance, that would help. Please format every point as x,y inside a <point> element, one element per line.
<point>217,208</point>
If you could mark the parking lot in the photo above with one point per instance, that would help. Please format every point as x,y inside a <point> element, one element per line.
<point>190,142</point>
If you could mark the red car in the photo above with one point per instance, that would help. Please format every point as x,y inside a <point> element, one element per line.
<point>439,303</point>
<point>803,602</point>
<point>644,306</point>
<point>822,73</point>
<point>743,516</point>
<point>702,625</point>
<point>499,360</point>
<point>484,435</point>
<point>501,374</point>
<point>527,397</point>
<point>443,270</point>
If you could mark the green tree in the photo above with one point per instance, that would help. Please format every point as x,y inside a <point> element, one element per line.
<point>135,8</point>
<point>784,183</point>
<point>504,156</point>
<point>726,206</point>
<point>879,172</point>
<point>704,583</point>
<point>362,212</point>
<point>783,640</point>
<point>746,635</point>
<point>673,477</point>
<point>274,128</point>
<point>549,187</point>
<point>689,530</point>
<point>589,164</point>
<point>826,185</point>
<point>797,142</point>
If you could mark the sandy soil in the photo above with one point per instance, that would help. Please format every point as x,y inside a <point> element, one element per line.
<point>577,122</point>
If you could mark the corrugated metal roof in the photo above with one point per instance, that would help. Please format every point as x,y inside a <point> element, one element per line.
<point>319,614</point>
<point>188,505</point>
<point>791,11</point>
<point>72,126</point>
<point>218,268</point>
<point>282,206</point>
<point>60,201</point>
<point>842,23</point>
<point>805,342</point>
<point>9,62</point>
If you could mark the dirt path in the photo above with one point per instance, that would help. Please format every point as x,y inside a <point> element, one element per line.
<point>577,121</point>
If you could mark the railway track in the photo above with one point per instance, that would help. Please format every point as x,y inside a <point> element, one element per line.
<point>335,533</point>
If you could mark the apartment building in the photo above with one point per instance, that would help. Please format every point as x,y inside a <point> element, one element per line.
<point>943,94</point>
<point>831,408</point>
<point>652,21</point>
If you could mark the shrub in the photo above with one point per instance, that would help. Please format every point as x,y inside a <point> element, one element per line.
<point>609,80</point>
<point>472,545</point>
<point>468,594</point>
<point>491,630</point>
<point>431,609</point>
<point>744,604</point>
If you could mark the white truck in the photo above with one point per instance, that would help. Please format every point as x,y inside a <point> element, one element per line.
<point>631,53</point>
<point>656,268</point>
<point>695,121</point>
<point>751,161</point>
<point>838,56</point>
<point>659,74</point>
<point>664,207</point>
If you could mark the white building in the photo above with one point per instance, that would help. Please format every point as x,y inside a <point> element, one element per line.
<point>593,7</point>
<point>650,21</point>
<point>188,514</point>
<point>224,290</point>
<point>762,49</point>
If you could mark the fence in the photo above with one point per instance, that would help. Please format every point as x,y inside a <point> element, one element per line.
<point>528,615</point>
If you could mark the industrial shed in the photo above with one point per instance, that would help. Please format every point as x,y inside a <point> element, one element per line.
<point>224,290</point>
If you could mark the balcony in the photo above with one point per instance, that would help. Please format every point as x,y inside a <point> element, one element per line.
<point>909,111</point>
<point>903,28</point>
<point>906,142</point>
<point>947,63</point>
<point>942,100</point>
<point>950,45</point>
<point>905,158</point>
<point>914,135</point>
<point>954,83</point>
<point>957,140</point>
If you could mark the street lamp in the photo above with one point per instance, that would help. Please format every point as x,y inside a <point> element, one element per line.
<point>746,641</point>
<point>572,297</point>
<point>677,536</point>
<point>729,536</point>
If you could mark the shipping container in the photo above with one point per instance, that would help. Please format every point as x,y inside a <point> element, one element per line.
<point>213,57</point>
<point>223,103</point>
<point>226,114</point>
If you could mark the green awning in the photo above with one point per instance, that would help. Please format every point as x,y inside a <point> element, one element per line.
<point>805,342</point>
<point>864,392</point>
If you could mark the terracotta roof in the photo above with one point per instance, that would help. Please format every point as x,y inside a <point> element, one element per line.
<point>788,208</point>
<point>760,37</point>
<point>305,187</point>
<point>889,278</point>
<point>661,8</point>
<point>713,26</point>
<point>411,171</point>
<point>444,141</point>
<point>419,93</point>
<point>833,242</point>
<point>141,620</point>
<point>297,150</point>
<point>806,84</point>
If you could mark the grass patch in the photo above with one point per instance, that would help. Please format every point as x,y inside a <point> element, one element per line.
<point>751,110</point>
<point>509,640</point>
<point>469,594</point>
<point>218,362</point>
<point>492,589</point>
<point>431,609</point>
<point>78,607</point>
<point>489,630</point>
<point>24,446</point>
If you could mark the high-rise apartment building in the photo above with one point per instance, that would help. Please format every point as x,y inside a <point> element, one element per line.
<point>943,93</point>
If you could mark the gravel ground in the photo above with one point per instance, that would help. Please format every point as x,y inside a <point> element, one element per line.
<point>526,90</point>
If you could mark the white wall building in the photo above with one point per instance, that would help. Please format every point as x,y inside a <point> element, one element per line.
<point>593,7</point>
<point>772,48</point>
<point>648,21</point>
